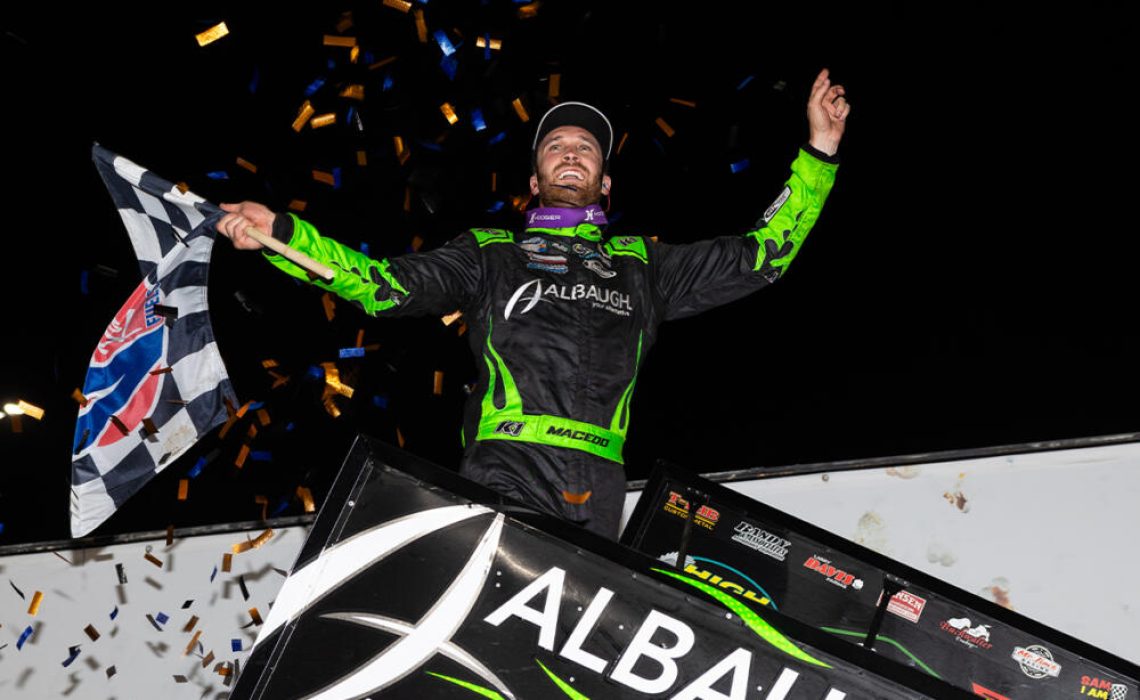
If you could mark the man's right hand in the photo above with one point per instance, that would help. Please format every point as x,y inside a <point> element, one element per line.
<point>240,217</point>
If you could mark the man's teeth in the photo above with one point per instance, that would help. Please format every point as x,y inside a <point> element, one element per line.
<point>570,173</point>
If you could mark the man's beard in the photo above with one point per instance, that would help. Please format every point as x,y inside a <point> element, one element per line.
<point>570,193</point>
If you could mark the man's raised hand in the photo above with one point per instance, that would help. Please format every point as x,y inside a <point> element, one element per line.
<point>827,112</point>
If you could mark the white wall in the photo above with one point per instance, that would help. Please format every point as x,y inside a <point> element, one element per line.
<point>86,590</point>
<point>1051,533</point>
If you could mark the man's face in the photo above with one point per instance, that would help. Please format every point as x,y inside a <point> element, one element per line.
<point>569,169</point>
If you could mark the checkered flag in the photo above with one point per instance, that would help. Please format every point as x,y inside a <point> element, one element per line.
<point>156,382</point>
<point>1119,692</point>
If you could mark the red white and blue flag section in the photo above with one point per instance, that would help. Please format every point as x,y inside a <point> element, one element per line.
<point>156,383</point>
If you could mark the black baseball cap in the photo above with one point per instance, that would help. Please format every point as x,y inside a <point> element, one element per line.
<point>577,114</point>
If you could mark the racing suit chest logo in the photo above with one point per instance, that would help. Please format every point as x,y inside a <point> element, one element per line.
<point>528,294</point>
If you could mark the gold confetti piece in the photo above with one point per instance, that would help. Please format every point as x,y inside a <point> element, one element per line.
<point>181,679</point>
<point>345,41</point>
<point>355,92</point>
<point>92,633</point>
<point>169,535</point>
<point>227,562</point>
<point>452,317</point>
<point>263,417</point>
<point>332,379</point>
<point>34,607</point>
<point>481,42</point>
<point>149,426</point>
<point>398,144</point>
<point>421,27</point>
<point>164,370</point>
<point>344,22</point>
<point>665,127</point>
<point>306,497</point>
<point>262,501</point>
<point>30,410</point>
<point>494,181</point>
<point>437,384</point>
<point>325,177</point>
<point>404,156</point>
<point>193,643</point>
<point>244,407</point>
<point>323,120</point>
<point>190,623</point>
<point>462,328</point>
<point>206,661</point>
<point>520,110</point>
<point>114,419</point>
<point>153,559</point>
<point>331,407</point>
<point>183,489</point>
<point>212,34</point>
<point>399,438</point>
<point>407,199</point>
<point>354,55</point>
<point>401,5</point>
<point>243,453</point>
<point>554,86</point>
<point>255,615</point>
<point>686,103</point>
<point>278,380</point>
<point>79,397</point>
<point>252,432</point>
<point>362,158</point>
<point>381,63</point>
<point>359,338</point>
<point>226,428</point>
<point>303,116</point>
<point>529,11</point>
<point>329,306</point>
<point>372,347</point>
<point>448,113</point>
<point>298,205</point>
<point>269,363</point>
<point>622,141</point>
<point>246,164</point>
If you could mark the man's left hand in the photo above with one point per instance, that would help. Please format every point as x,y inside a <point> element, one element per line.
<point>827,112</point>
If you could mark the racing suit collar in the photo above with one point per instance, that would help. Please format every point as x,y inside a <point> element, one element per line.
<point>578,221</point>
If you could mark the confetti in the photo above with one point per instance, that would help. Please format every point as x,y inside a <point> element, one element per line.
<point>554,86</point>
<point>212,34</point>
<point>150,619</point>
<point>437,383</point>
<point>345,353</point>
<point>664,126</point>
<point>494,181</point>
<point>24,637</point>
<point>18,591</point>
<point>30,410</point>
<point>153,559</point>
<point>180,679</point>
<point>114,613</point>
<point>399,438</point>
<point>362,158</point>
<point>79,397</point>
<point>738,166</point>
<point>621,143</point>
<point>684,103</point>
<point>149,428</point>
<point>452,318</point>
<point>323,120</point>
<point>34,606</point>
<point>247,165</point>
<point>190,623</point>
<point>486,43</point>
<point>194,471</point>
<point>380,401</point>
<point>244,590</point>
<point>344,22</point>
<point>255,615</point>
<point>332,379</point>
<point>206,661</point>
<point>92,633</point>
<point>445,44</point>
<point>382,63</point>
<point>111,671</point>
<point>401,5</point>
<point>261,456</point>
<point>744,83</point>
<point>83,275</point>
<point>162,618</point>
<point>18,424</point>
<point>239,461</point>
<point>354,55</point>
<point>169,535</point>
<point>303,116</point>
<point>72,653</point>
<point>164,370</point>
<point>278,380</point>
<point>263,417</point>
<point>306,497</point>
<point>344,41</point>
<point>360,331</point>
<point>448,113</point>
<point>314,87</point>
<point>297,205</point>
<point>235,645</point>
<point>520,110</point>
<point>528,11</point>
<point>421,27</point>
<point>477,119</point>
<point>193,642</point>
<point>217,175</point>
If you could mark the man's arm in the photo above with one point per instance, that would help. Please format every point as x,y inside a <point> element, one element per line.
<point>436,282</point>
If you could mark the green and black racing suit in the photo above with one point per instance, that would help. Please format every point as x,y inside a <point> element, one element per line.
<point>561,318</point>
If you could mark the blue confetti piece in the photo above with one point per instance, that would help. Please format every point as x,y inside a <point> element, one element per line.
<point>314,86</point>
<point>218,175</point>
<point>235,645</point>
<point>369,58</point>
<point>261,456</point>
<point>497,138</point>
<point>351,352</point>
<point>115,612</point>
<point>256,405</point>
<point>496,207</point>
<point>290,426</point>
<point>317,372</point>
<point>254,80</point>
<point>658,144</point>
<point>331,64</point>
<point>197,468</point>
<point>336,178</point>
<point>477,119</point>
<point>745,82</point>
<point>387,83</point>
<point>213,574</point>
<point>351,116</point>
<point>444,43</point>
<point>739,165</point>
<point>431,146</point>
<point>74,652</point>
<point>162,618</point>
<point>24,637</point>
<point>1,528</point>
<point>83,274</point>
<point>364,248</point>
<point>281,506</point>
<point>487,47</point>
<point>380,401</point>
<point>450,66</point>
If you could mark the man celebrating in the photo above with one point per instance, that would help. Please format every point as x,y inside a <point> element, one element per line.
<point>561,314</point>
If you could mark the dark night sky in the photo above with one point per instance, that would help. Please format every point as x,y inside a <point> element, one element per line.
<point>969,283</point>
